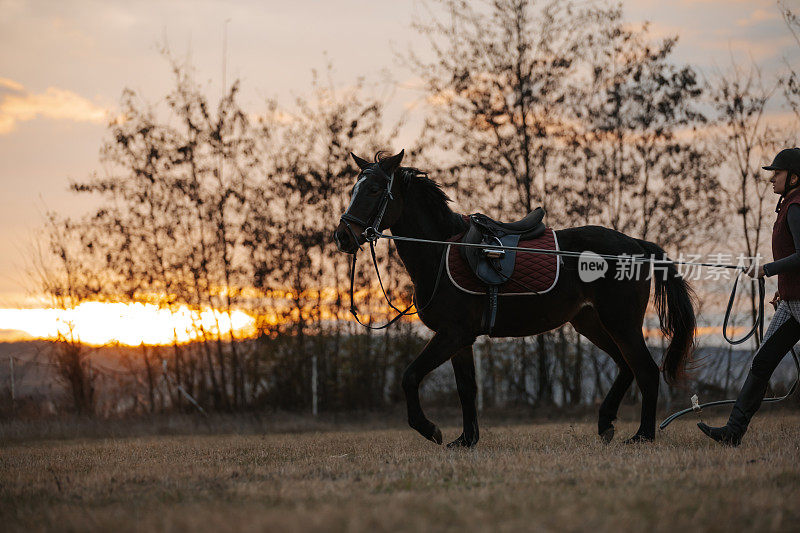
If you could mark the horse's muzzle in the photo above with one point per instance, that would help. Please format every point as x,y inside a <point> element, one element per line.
<point>345,239</point>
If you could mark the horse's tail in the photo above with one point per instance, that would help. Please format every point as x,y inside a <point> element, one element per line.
<point>674,300</point>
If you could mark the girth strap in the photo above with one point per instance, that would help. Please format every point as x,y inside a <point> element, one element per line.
<point>490,313</point>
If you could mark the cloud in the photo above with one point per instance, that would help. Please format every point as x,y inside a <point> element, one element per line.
<point>18,105</point>
<point>8,84</point>
<point>759,15</point>
<point>759,50</point>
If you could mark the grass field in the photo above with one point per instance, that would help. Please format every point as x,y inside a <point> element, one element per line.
<point>551,477</point>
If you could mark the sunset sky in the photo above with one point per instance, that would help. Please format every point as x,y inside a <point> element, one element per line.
<point>64,65</point>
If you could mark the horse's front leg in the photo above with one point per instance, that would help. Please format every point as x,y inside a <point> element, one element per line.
<point>464,368</point>
<point>438,350</point>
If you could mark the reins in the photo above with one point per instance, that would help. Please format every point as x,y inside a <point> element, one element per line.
<point>400,314</point>
<point>758,324</point>
<point>372,235</point>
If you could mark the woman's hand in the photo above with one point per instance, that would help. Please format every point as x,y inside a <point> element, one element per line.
<point>775,300</point>
<point>755,271</point>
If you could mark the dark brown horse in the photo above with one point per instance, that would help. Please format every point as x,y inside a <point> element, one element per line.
<point>607,311</point>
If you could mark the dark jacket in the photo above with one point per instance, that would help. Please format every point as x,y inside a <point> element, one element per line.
<point>786,248</point>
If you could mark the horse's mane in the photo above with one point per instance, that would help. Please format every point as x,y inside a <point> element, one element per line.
<point>423,191</point>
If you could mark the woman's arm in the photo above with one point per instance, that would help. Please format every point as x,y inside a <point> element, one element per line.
<point>791,262</point>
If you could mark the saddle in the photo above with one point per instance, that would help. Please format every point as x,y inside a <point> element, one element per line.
<point>492,266</point>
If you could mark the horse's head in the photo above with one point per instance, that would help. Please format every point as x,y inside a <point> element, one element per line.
<point>375,202</point>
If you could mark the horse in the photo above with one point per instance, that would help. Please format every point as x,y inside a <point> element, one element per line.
<point>609,312</point>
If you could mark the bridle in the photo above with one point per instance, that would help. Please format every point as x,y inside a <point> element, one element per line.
<point>371,228</point>
<point>371,234</point>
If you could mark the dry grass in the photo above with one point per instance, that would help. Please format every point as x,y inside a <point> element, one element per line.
<point>555,476</point>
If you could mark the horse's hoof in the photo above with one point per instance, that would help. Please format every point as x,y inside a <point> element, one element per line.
<point>607,435</point>
<point>437,435</point>
<point>463,442</point>
<point>427,429</point>
<point>636,439</point>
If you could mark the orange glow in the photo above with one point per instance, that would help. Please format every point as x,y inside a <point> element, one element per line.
<point>132,324</point>
<point>699,331</point>
<point>99,323</point>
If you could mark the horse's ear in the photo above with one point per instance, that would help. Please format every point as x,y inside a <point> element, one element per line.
<point>390,164</point>
<point>362,163</point>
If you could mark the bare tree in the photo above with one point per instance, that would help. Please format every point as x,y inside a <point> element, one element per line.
<point>305,160</point>
<point>497,86</point>
<point>741,98</point>
<point>68,279</point>
<point>636,161</point>
<point>791,80</point>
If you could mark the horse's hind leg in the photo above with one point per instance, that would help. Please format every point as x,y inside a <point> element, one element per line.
<point>588,324</point>
<point>438,350</point>
<point>645,371</point>
<point>610,406</point>
<point>464,368</point>
<point>624,324</point>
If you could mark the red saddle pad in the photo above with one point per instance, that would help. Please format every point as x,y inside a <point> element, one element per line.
<point>538,272</point>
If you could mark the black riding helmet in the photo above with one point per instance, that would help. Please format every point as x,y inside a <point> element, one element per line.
<point>787,159</point>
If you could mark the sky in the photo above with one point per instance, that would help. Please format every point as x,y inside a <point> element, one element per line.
<point>64,65</point>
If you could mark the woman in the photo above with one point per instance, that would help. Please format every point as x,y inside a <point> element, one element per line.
<point>784,330</point>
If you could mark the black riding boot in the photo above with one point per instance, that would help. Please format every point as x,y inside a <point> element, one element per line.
<point>746,405</point>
